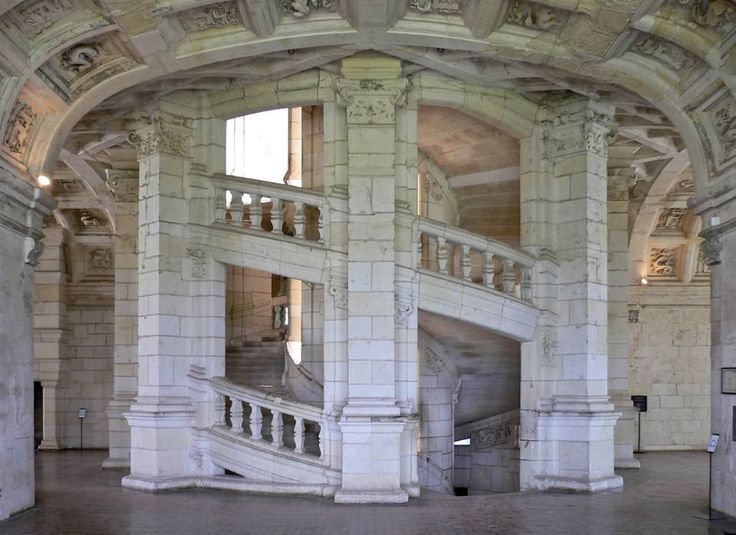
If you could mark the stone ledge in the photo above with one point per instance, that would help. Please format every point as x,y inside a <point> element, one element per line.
<point>226,483</point>
<point>372,496</point>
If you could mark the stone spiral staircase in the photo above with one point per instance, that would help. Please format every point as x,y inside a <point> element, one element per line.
<point>249,426</point>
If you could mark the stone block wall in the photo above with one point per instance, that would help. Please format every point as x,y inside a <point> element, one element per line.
<point>669,362</point>
<point>91,346</point>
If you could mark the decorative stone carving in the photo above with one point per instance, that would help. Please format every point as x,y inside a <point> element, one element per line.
<point>710,13</point>
<point>662,262</point>
<point>120,65</point>
<point>402,311</point>
<point>495,435</point>
<point>723,116</point>
<point>169,136</point>
<point>80,58</point>
<point>702,268</point>
<point>433,187</point>
<point>100,260</point>
<point>339,294</point>
<point>711,250</point>
<point>665,52</point>
<point>634,315</point>
<point>302,8</point>
<point>371,101</point>
<point>89,220</point>
<point>446,7</point>
<point>531,15</point>
<point>18,132</point>
<point>671,221</point>
<point>198,259</point>
<point>42,15</point>
<point>549,347</point>
<point>125,189</point>
<point>65,186</point>
<point>208,17</point>
<point>33,248</point>
<point>433,361</point>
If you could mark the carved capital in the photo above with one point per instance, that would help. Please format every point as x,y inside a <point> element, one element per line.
<point>371,101</point>
<point>166,134</point>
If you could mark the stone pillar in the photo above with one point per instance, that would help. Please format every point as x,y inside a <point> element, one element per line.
<point>372,422</point>
<point>181,294</point>
<point>567,420</point>
<point>719,250</point>
<point>618,312</point>
<point>51,335</point>
<point>125,250</point>
<point>22,208</point>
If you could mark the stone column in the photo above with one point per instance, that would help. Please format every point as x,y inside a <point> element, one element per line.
<point>567,420</point>
<point>719,250</point>
<point>618,312</point>
<point>372,421</point>
<point>125,250</point>
<point>51,335</point>
<point>181,295</point>
<point>22,208</point>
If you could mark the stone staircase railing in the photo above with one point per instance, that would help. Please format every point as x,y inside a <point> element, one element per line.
<point>289,211</point>
<point>474,258</point>
<point>240,410</point>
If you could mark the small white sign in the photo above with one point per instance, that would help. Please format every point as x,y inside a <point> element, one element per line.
<point>82,413</point>
<point>713,443</point>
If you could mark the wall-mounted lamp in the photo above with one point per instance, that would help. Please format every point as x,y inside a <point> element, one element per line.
<point>43,181</point>
<point>644,281</point>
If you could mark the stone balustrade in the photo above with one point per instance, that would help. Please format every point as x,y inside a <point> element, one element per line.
<point>283,425</point>
<point>268,207</point>
<point>474,258</point>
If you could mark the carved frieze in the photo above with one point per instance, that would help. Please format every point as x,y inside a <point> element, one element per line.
<point>41,15</point>
<point>662,262</point>
<point>671,221</point>
<point>664,51</point>
<point>209,17</point>
<point>534,16</point>
<point>445,7</point>
<point>302,8</point>
<point>18,132</point>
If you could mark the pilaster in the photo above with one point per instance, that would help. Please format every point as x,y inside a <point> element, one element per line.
<point>125,382</point>
<point>372,422</point>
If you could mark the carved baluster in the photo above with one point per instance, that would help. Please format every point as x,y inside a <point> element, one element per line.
<point>508,277</point>
<point>320,441</point>
<point>465,262</point>
<point>526,284</point>
<point>419,251</point>
<point>220,205</point>
<point>298,434</point>
<point>277,216</point>
<point>277,429</point>
<point>489,269</point>
<point>442,254</point>
<point>321,226</point>
<point>256,212</point>
<point>236,416</point>
<point>219,410</point>
<point>299,220</point>
<point>236,208</point>
<point>256,422</point>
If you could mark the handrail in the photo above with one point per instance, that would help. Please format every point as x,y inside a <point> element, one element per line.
<point>267,189</point>
<point>475,241</point>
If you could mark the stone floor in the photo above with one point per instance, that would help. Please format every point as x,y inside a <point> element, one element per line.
<point>75,497</point>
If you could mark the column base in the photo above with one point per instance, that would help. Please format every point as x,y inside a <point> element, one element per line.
<point>371,496</point>
<point>115,464</point>
<point>627,463</point>
<point>50,445</point>
<point>552,483</point>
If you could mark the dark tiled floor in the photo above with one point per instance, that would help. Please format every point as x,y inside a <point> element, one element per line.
<point>75,497</point>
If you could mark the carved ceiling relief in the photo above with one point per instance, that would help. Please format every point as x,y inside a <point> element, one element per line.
<point>671,221</point>
<point>302,8</point>
<point>534,16</point>
<point>19,130</point>
<point>100,260</point>
<point>40,16</point>
<point>445,7</point>
<point>723,116</point>
<point>662,262</point>
<point>81,57</point>
<point>209,17</point>
<point>664,52</point>
<point>713,14</point>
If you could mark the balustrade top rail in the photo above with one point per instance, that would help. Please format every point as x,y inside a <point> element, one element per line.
<point>475,241</point>
<point>267,189</point>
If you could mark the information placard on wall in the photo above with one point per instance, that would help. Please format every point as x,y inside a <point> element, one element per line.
<point>713,443</point>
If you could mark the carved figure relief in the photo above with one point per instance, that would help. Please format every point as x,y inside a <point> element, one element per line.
<point>18,133</point>
<point>724,119</point>
<point>44,14</point>
<point>531,15</point>
<point>80,58</point>
<point>302,8</point>
<point>671,221</point>
<point>89,220</point>
<point>208,17</point>
<point>446,7</point>
<point>199,262</point>
<point>100,260</point>
<point>662,262</point>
